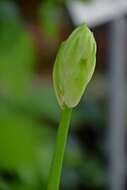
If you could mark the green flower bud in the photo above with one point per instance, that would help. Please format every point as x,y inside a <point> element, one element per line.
<point>74,66</point>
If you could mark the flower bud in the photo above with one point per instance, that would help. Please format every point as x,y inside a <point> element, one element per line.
<point>74,66</point>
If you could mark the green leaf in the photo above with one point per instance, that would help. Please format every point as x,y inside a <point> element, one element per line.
<point>17,53</point>
<point>47,11</point>
<point>74,66</point>
<point>17,141</point>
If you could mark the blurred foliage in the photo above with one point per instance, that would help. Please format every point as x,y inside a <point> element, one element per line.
<point>50,14</point>
<point>48,10</point>
<point>16,52</point>
<point>29,114</point>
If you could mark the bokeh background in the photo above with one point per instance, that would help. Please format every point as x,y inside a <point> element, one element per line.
<point>30,34</point>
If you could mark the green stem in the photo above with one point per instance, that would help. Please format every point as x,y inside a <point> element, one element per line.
<point>56,165</point>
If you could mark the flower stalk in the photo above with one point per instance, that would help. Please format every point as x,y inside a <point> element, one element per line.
<point>73,69</point>
<point>56,165</point>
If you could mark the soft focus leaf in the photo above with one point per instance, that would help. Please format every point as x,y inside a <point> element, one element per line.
<point>17,141</point>
<point>16,53</point>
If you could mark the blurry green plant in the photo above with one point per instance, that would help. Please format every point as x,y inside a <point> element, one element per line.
<point>48,10</point>
<point>50,13</point>
<point>16,52</point>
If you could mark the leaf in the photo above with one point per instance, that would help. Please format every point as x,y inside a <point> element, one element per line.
<point>17,141</point>
<point>16,53</point>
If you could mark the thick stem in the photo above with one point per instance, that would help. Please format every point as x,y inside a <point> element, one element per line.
<point>56,165</point>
